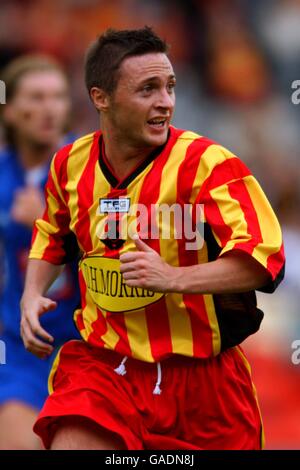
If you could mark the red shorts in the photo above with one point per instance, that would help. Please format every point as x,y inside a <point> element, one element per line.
<point>203,404</point>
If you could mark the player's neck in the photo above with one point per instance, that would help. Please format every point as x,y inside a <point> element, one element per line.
<point>122,157</point>
<point>32,154</point>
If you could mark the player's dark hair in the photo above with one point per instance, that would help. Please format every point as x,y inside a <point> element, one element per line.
<point>105,55</point>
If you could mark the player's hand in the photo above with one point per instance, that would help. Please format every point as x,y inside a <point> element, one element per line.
<point>28,205</point>
<point>146,269</point>
<point>35,338</point>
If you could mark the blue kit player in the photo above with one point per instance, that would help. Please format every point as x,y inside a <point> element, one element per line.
<point>34,121</point>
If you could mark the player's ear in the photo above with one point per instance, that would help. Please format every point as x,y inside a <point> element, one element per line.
<point>100,99</point>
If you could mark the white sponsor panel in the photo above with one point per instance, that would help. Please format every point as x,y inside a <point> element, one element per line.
<point>2,352</point>
<point>2,92</point>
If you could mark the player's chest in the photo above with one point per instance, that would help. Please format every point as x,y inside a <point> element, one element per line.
<point>100,211</point>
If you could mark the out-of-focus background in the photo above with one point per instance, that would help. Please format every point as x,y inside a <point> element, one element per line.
<point>235,61</point>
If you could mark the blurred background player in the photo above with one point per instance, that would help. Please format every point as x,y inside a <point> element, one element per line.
<point>34,121</point>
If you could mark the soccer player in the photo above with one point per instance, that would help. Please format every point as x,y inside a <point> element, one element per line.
<point>34,121</point>
<point>159,365</point>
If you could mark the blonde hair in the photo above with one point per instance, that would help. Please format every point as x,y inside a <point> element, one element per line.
<point>12,74</point>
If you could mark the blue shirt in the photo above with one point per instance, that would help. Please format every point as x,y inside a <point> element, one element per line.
<point>15,239</point>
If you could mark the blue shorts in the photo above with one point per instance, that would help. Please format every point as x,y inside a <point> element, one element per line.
<point>23,377</point>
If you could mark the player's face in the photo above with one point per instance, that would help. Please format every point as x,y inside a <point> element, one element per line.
<point>40,107</point>
<point>142,105</point>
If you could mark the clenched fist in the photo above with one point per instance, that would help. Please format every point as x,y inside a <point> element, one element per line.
<point>146,269</point>
<point>28,205</point>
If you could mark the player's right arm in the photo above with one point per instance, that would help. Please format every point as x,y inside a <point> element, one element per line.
<point>39,277</point>
<point>53,244</point>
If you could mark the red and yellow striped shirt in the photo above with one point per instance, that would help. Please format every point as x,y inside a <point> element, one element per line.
<point>188,169</point>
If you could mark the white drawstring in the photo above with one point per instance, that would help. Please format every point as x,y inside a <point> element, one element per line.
<point>121,370</point>
<point>157,389</point>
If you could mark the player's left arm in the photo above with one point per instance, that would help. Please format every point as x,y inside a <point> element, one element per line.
<point>244,228</point>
